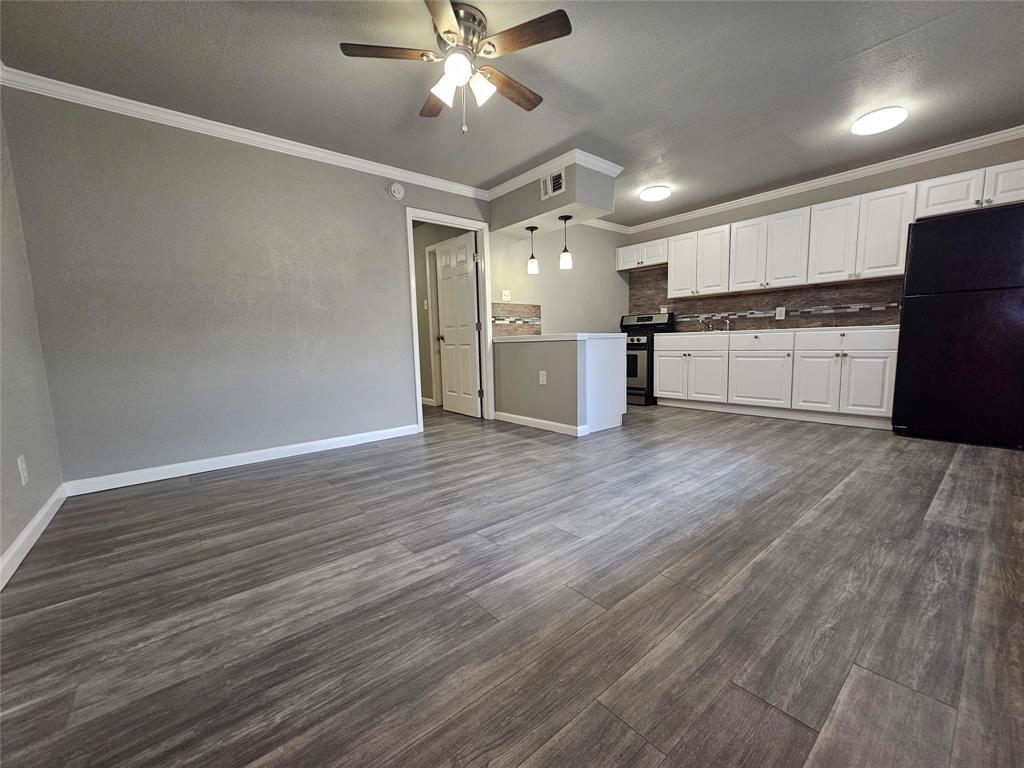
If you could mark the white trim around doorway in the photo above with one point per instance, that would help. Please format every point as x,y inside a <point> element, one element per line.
<point>484,247</point>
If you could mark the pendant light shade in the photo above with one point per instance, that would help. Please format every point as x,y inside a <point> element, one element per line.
<point>532,265</point>
<point>565,260</point>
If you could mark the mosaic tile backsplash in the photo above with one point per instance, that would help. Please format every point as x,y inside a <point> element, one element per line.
<point>862,302</point>
<point>515,319</point>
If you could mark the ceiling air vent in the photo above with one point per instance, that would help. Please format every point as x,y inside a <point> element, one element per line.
<point>552,184</point>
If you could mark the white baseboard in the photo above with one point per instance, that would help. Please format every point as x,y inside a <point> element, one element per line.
<point>429,401</point>
<point>843,419</point>
<point>550,426</point>
<point>11,559</point>
<point>151,474</point>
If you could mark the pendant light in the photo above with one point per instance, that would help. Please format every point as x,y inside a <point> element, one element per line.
<point>532,265</point>
<point>565,260</point>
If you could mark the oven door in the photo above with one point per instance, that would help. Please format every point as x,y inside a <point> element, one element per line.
<point>636,369</point>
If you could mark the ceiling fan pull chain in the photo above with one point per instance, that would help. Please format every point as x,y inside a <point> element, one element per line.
<point>465,128</point>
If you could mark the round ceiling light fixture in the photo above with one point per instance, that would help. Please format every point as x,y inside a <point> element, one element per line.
<point>655,193</point>
<point>879,120</point>
<point>457,66</point>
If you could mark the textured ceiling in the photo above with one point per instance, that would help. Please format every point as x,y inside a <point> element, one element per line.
<point>718,100</point>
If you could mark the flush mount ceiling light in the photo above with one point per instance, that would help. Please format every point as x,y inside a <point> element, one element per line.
<point>565,260</point>
<point>655,193</point>
<point>879,120</point>
<point>462,39</point>
<point>532,265</point>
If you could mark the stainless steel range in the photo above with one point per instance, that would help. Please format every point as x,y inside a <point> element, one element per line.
<point>640,330</point>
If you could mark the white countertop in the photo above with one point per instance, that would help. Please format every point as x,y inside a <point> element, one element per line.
<point>811,329</point>
<point>558,337</point>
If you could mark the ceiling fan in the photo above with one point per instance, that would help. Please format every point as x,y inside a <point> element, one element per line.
<point>462,38</point>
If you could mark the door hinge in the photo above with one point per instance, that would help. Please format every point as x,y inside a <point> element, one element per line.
<point>478,326</point>
<point>476,257</point>
<point>479,393</point>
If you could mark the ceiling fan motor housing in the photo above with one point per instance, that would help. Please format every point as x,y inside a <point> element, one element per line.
<point>472,25</point>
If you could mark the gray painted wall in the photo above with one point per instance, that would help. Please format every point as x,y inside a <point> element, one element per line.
<point>27,424</point>
<point>979,158</point>
<point>591,296</point>
<point>424,235</point>
<point>516,382</point>
<point>198,297</point>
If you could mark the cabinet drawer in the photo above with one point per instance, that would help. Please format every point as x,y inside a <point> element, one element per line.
<point>872,338</point>
<point>692,342</point>
<point>762,340</point>
<point>819,340</point>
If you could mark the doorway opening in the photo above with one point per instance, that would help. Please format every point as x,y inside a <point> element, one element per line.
<point>449,267</point>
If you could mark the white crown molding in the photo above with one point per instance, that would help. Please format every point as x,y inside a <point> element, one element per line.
<point>906,161</point>
<point>573,156</point>
<point>44,86</point>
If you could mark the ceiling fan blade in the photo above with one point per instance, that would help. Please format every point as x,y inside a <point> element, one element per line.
<point>512,89</point>
<point>432,107</point>
<point>550,26</point>
<point>387,52</point>
<point>444,19</point>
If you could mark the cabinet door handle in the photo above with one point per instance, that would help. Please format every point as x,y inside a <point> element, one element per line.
<point>756,336</point>
<point>837,354</point>
<point>988,200</point>
<point>977,202</point>
<point>845,354</point>
<point>842,333</point>
<point>789,354</point>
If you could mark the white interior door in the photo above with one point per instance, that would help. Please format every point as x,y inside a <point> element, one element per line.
<point>457,310</point>
<point>816,375</point>
<point>869,379</point>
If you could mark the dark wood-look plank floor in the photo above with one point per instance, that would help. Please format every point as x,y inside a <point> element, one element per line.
<point>693,589</point>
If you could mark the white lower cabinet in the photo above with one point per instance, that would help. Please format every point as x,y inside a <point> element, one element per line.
<point>761,378</point>
<point>670,374</point>
<point>816,377</point>
<point>708,376</point>
<point>868,382</point>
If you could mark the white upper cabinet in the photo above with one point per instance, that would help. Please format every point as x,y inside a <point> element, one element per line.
<point>713,260</point>
<point>641,254</point>
<point>655,252</point>
<point>748,254</point>
<point>682,265</point>
<point>627,257</point>
<point>833,241</point>
<point>885,218</point>
<point>950,193</point>
<point>1004,183</point>
<point>786,255</point>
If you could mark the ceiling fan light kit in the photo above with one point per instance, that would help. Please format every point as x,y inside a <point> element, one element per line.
<point>462,39</point>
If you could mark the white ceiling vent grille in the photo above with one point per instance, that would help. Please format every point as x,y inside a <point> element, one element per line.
<point>552,184</point>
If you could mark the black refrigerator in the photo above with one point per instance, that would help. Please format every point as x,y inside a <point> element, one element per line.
<point>960,370</point>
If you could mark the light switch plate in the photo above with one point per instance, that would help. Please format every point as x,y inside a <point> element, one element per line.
<point>780,313</point>
<point>543,376</point>
<point>506,294</point>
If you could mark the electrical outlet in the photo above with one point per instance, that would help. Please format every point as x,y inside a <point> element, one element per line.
<point>780,313</point>
<point>506,294</point>
<point>23,470</point>
<point>663,310</point>
<point>543,376</point>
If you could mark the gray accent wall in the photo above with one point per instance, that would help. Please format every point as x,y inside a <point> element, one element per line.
<point>198,297</point>
<point>425,234</point>
<point>591,297</point>
<point>26,428</point>
<point>516,381</point>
